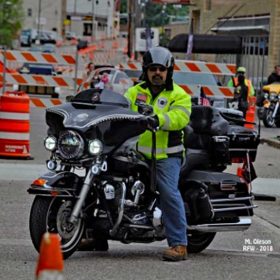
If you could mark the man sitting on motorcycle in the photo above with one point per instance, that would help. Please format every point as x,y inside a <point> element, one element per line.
<point>172,109</point>
<point>243,89</point>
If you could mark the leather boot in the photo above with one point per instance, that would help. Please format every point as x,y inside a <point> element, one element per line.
<point>176,253</point>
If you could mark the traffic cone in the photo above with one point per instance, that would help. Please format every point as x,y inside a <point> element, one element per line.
<point>250,114</point>
<point>50,262</point>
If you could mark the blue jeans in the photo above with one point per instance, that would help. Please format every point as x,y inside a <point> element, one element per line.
<point>171,202</point>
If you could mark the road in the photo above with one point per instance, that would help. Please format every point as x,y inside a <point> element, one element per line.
<point>230,256</point>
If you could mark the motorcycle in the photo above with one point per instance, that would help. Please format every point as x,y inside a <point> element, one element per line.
<point>271,105</point>
<point>100,188</point>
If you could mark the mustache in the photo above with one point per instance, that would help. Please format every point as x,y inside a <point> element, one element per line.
<point>156,76</point>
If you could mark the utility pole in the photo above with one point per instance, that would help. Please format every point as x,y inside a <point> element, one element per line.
<point>39,21</point>
<point>131,27</point>
<point>93,21</point>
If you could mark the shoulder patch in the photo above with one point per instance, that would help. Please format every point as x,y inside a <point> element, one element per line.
<point>162,101</point>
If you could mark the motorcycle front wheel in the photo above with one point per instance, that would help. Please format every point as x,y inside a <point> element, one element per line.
<point>51,214</point>
<point>268,120</point>
<point>198,241</point>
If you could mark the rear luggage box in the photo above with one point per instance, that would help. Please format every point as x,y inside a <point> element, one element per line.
<point>242,141</point>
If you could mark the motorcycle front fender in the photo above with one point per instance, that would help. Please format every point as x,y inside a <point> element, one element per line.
<point>60,183</point>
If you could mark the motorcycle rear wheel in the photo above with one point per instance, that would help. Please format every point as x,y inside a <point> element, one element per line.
<point>268,120</point>
<point>51,214</point>
<point>198,241</point>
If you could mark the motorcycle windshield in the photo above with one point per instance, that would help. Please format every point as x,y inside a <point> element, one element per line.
<point>109,120</point>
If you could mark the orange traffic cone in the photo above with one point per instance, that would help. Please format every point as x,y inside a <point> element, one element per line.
<point>50,262</point>
<point>250,114</point>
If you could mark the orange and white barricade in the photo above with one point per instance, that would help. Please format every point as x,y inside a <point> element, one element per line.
<point>199,67</point>
<point>14,125</point>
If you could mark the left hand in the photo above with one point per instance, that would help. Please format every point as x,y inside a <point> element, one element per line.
<point>152,123</point>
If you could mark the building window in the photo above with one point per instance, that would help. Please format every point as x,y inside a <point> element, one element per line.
<point>29,12</point>
<point>208,5</point>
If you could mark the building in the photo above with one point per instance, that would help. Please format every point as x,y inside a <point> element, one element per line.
<point>77,16</point>
<point>256,21</point>
<point>44,14</point>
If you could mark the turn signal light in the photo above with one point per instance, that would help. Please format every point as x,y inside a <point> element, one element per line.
<point>39,182</point>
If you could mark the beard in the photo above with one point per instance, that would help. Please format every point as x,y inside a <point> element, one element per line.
<point>157,80</point>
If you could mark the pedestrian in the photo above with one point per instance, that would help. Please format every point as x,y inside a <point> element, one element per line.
<point>274,76</point>
<point>172,109</point>
<point>243,89</point>
<point>88,76</point>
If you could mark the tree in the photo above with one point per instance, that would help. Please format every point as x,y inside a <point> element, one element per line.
<point>11,17</point>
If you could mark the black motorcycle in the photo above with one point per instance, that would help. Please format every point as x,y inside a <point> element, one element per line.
<point>100,188</point>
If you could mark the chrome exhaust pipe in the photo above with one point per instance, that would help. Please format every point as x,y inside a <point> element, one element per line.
<point>243,224</point>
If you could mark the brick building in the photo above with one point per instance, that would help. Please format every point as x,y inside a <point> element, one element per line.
<point>259,20</point>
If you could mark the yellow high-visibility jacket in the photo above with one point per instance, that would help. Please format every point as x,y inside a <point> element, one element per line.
<point>173,108</point>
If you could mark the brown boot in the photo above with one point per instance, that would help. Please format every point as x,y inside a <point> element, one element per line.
<point>176,253</point>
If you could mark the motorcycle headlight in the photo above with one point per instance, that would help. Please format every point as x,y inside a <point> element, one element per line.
<point>95,147</point>
<point>70,144</point>
<point>272,96</point>
<point>50,143</point>
<point>265,95</point>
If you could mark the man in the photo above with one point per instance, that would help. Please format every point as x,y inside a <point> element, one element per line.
<point>274,76</point>
<point>243,89</point>
<point>172,109</point>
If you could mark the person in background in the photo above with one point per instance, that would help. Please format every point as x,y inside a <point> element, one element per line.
<point>172,109</point>
<point>243,89</point>
<point>274,76</point>
<point>88,75</point>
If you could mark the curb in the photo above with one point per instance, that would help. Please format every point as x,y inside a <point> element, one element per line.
<point>271,142</point>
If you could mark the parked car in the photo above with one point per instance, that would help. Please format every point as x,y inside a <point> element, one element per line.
<point>118,80</point>
<point>38,69</point>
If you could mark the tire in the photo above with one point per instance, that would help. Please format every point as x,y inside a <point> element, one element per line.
<point>198,241</point>
<point>268,121</point>
<point>44,217</point>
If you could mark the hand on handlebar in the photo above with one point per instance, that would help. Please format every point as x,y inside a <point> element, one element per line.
<point>152,123</point>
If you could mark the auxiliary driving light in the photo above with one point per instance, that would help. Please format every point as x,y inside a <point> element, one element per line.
<point>50,143</point>
<point>95,147</point>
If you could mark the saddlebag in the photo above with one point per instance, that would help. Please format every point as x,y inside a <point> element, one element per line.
<point>197,203</point>
<point>242,140</point>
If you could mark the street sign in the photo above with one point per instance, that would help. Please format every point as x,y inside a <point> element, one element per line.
<point>145,40</point>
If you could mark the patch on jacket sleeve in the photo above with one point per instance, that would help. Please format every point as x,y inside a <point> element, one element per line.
<point>140,98</point>
<point>162,102</point>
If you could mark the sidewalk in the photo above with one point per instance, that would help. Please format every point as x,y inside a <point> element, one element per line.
<point>272,141</point>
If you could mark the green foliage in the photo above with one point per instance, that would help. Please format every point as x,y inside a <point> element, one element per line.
<point>156,15</point>
<point>11,17</point>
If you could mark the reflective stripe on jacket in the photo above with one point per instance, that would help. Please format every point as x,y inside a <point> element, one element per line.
<point>173,108</point>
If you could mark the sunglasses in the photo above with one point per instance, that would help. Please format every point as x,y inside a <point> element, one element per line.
<point>155,68</point>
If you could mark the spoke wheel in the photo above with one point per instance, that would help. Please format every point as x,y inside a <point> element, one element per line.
<point>52,215</point>
<point>268,120</point>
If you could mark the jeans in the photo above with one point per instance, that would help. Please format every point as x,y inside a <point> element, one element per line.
<point>171,202</point>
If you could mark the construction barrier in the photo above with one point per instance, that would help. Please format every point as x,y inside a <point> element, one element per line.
<point>50,262</point>
<point>191,66</point>
<point>250,114</point>
<point>38,57</point>
<point>198,67</point>
<point>14,125</point>
<point>39,80</point>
